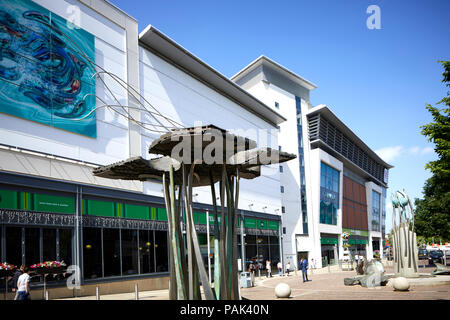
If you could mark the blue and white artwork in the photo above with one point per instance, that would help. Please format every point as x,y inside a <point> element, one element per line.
<point>46,68</point>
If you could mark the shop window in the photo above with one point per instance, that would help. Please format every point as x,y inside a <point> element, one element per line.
<point>111,252</point>
<point>146,251</point>
<point>49,244</point>
<point>65,246</point>
<point>32,250</point>
<point>129,252</point>
<point>13,247</point>
<point>161,253</point>
<point>92,253</point>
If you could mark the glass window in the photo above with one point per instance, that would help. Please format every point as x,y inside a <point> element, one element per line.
<point>32,247</point>
<point>92,253</point>
<point>250,239</point>
<point>274,253</point>
<point>282,189</point>
<point>129,252</point>
<point>146,251</point>
<point>281,168</point>
<point>277,105</point>
<point>111,252</point>
<point>329,194</point>
<point>264,255</point>
<point>49,244</point>
<point>13,248</point>
<point>161,253</point>
<point>263,240</point>
<point>250,255</point>
<point>273,240</point>
<point>65,246</point>
<point>375,211</point>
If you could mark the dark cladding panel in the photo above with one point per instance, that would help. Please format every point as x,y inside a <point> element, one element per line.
<point>320,128</point>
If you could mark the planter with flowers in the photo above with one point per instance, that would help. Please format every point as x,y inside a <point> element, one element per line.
<point>49,267</point>
<point>7,269</point>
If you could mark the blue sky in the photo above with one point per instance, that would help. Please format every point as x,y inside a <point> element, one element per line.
<point>376,81</point>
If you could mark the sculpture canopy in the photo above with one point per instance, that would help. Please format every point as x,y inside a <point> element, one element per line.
<point>194,157</point>
<point>248,161</point>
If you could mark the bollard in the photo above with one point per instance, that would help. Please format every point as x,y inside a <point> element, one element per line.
<point>136,291</point>
<point>329,268</point>
<point>259,273</point>
<point>46,295</point>
<point>97,294</point>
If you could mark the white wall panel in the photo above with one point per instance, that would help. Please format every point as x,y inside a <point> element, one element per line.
<point>187,100</point>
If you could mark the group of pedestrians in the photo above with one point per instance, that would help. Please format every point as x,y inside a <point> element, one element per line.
<point>303,265</point>
<point>280,268</point>
<point>20,283</point>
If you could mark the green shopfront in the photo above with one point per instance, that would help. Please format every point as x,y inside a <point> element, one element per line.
<point>358,241</point>
<point>110,234</point>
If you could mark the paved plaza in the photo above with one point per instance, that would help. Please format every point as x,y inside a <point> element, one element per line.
<point>330,286</point>
<point>324,285</point>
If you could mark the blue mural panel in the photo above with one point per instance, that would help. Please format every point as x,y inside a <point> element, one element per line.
<point>46,68</point>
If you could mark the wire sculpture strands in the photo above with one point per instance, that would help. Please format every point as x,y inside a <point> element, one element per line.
<point>404,238</point>
<point>179,177</point>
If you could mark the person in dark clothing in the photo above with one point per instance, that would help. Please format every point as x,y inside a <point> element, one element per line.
<point>304,267</point>
<point>13,281</point>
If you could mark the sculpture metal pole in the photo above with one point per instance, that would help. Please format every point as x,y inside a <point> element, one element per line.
<point>405,243</point>
<point>187,271</point>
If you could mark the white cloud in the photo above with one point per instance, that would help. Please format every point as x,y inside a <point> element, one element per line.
<point>390,153</point>
<point>414,150</point>
<point>427,150</point>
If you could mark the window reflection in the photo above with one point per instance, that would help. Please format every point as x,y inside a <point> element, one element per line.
<point>329,194</point>
<point>129,252</point>
<point>92,253</point>
<point>111,252</point>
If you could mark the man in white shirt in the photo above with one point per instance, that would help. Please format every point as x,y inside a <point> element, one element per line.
<point>23,285</point>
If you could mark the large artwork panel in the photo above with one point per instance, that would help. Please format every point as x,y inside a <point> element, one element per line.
<point>46,68</point>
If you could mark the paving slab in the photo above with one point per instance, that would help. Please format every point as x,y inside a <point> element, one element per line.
<point>330,286</point>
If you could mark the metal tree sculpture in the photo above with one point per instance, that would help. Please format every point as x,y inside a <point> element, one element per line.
<point>404,238</point>
<point>231,158</point>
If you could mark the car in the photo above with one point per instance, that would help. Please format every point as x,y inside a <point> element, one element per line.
<point>423,254</point>
<point>435,256</point>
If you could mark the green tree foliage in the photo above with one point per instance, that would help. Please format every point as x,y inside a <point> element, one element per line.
<point>433,211</point>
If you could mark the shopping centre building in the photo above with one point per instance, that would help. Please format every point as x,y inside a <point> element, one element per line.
<point>337,183</point>
<point>64,61</point>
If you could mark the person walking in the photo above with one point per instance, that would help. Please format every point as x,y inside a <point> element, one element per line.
<point>280,268</point>
<point>14,279</point>
<point>268,269</point>
<point>23,285</point>
<point>304,266</point>
<point>288,267</point>
<point>251,268</point>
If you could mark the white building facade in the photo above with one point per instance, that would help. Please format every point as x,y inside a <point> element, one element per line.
<point>337,183</point>
<point>88,65</point>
